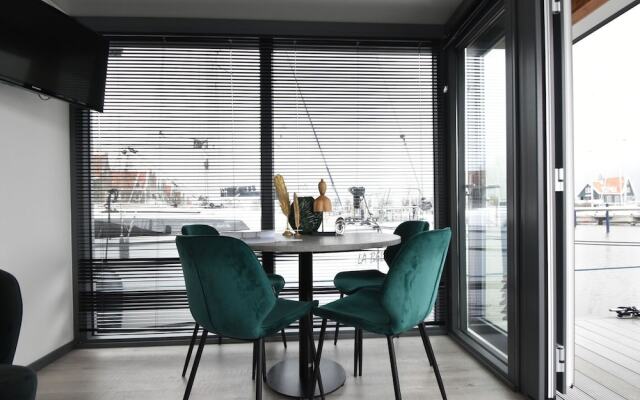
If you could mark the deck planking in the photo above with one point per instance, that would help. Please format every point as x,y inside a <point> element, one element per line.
<point>607,363</point>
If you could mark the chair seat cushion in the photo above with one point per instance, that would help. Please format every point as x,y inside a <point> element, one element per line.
<point>362,309</point>
<point>284,313</point>
<point>349,282</point>
<point>277,281</point>
<point>17,383</point>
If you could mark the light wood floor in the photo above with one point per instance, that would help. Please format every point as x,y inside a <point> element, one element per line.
<point>225,373</point>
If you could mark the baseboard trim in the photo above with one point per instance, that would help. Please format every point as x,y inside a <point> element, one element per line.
<point>345,333</point>
<point>51,357</point>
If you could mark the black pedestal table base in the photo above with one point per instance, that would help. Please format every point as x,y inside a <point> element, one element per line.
<point>292,378</point>
<point>284,378</point>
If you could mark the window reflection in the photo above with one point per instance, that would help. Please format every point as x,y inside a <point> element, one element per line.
<point>486,189</point>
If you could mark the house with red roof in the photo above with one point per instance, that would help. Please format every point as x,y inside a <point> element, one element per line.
<point>616,190</point>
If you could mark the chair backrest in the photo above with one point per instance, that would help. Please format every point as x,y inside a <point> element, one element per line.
<point>10,316</point>
<point>405,230</point>
<point>411,286</point>
<point>228,291</point>
<point>200,230</point>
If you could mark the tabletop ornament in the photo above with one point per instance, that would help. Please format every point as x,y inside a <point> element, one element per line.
<point>340,226</point>
<point>296,214</point>
<point>283,198</point>
<point>304,214</point>
<point>322,204</point>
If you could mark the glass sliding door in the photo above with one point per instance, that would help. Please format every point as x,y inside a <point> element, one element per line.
<point>484,193</point>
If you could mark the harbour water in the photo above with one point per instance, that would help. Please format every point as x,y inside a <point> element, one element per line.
<point>607,269</point>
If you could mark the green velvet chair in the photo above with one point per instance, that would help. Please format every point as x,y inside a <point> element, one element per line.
<point>407,296</point>
<point>349,282</point>
<point>277,282</point>
<point>16,382</point>
<point>230,295</point>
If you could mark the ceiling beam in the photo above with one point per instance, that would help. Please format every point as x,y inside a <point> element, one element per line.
<point>125,26</point>
<point>582,8</point>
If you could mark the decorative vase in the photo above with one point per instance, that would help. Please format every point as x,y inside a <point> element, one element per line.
<point>310,221</point>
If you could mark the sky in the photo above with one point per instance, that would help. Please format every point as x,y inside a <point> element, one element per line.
<point>606,72</point>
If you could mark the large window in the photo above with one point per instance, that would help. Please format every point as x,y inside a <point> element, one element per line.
<point>361,118</point>
<point>182,141</point>
<point>178,143</point>
<point>486,192</point>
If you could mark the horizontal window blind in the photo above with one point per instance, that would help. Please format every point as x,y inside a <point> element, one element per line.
<point>193,130</point>
<point>361,116</point>
<point>178,143</point>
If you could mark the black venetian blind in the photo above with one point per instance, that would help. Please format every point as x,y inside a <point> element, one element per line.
<point>193,130</point>
<point>178,143</point>
<point>362,117</point>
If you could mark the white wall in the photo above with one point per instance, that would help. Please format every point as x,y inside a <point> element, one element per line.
<point>35,217</point>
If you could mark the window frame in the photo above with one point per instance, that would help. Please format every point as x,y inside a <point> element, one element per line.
<point>477,25</point>
<point>81,163</point>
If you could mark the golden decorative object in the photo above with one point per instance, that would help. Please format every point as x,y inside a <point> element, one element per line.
<point>296,215</point>
<point>322,204</point>
<point>283,198</point>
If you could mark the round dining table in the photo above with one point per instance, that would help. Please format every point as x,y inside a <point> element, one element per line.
<point>290,377</point>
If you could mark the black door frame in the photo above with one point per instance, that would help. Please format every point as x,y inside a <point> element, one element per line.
<point>527,51</point>
<point>562,34</point>
<point>487,17</point>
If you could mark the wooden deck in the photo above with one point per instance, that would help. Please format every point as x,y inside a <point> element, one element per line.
<point>607,359</point>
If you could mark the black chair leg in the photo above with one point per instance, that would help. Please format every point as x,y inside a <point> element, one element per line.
<point>335,337</point>
<point>394,368</point>
<point>253,372</point>
<point>264,363</point>
<point>259,367</point>
<point>284,338</point>
<point>360,352</point>
<point>424,342</point>
<point>255,361</point>
<point>219,339</point>
<point>432,356</point>
<point>191,344</point>
<point>196,362</point>
<point>356,347</point>
<point>316,366</point>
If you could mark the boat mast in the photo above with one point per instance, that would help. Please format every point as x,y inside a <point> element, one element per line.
<point>315,134</point>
